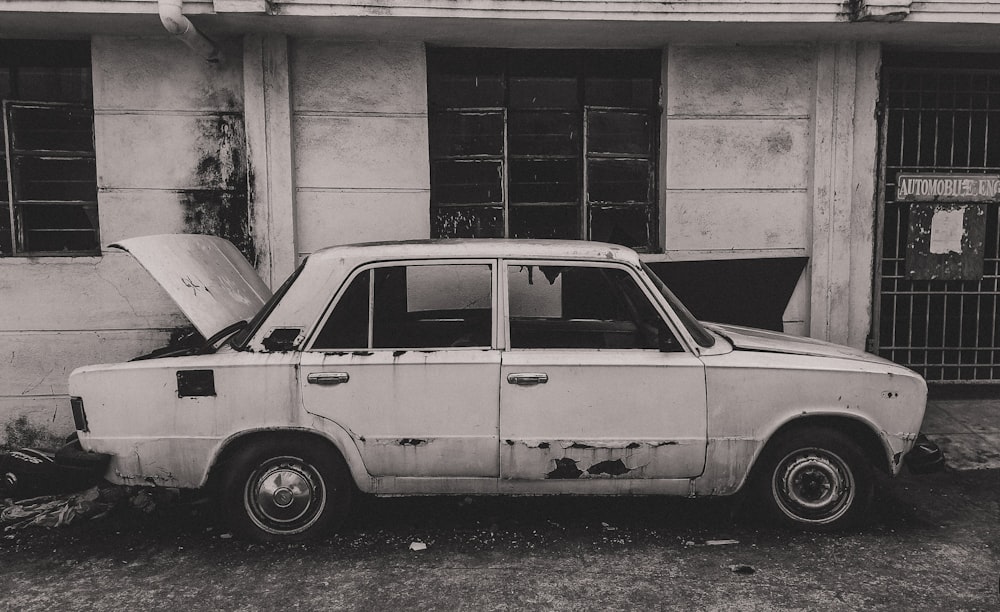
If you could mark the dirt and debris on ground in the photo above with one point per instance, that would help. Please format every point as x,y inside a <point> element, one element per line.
<point>60,510</point>
<point>932,545</point>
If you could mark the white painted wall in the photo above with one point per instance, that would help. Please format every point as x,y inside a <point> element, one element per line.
<point>769,151</point>
<point>359,132</point>
<point>151,100</point>
<point>738,153</point>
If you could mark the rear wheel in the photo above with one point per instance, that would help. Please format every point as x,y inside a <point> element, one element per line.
<point>814,479</point>
<point>279,490</point>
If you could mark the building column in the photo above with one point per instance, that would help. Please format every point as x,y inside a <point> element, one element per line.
<point>864,196</point>
<point>843,189</point>
<point>267,103</point>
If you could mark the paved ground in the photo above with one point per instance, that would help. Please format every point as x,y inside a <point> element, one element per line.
<point>933,544</point>
<point>967,429</point>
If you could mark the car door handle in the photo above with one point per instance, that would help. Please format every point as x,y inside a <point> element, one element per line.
<point>528,378</point>
<point>328,378</point>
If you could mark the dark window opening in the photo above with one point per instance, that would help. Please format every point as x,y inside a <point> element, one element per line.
<point>48,177</point>
<point>544,144</point>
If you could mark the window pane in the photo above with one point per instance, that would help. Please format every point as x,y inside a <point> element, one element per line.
<point>465,91</point>
<point>462,134</point>
<point>5,236</point>
<point>433,306</point>
<point>467,222</point>
<point>347,327</point>
<point>60,216</point>
<point>629,226</point>
<point>55,179</point>
<point>49,227</point>
<point>50,241</point>
<point>619,133</point>
<point>579,307</point>
<point>4,185</point>
<point>466,182</point>
<point>629,93</point>
<point>543,92</point>
<point>6,246</point>
<point>549,180</point>
<point>53,84</point>
<point>545,222</point>
<point>619,180</point>
<point>52,128</point>
<point>5,85</point>
<point>544,133</point>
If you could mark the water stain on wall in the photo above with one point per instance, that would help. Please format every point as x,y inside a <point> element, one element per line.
<point>220,203</point>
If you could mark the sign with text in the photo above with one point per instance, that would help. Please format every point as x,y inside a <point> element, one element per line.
<point>912,187</point>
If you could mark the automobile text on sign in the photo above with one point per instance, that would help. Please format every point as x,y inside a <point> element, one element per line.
<point>947,187</point>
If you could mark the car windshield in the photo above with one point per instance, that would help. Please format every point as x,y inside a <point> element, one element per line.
<point>697,331</point>
<point>240,340</point>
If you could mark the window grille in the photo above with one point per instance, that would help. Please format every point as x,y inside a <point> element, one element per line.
<point>48,178</point>
<point>544,144</point>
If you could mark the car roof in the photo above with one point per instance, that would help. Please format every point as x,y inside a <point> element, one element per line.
<point>480,248</point>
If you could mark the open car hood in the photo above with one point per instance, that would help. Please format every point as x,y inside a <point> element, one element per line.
<point>750,339</point>
<point>209,279</point>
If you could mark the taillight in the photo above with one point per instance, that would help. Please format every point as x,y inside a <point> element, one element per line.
<point>79,416</point>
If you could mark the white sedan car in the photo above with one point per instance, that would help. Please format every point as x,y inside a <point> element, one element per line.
<point>481,367</point>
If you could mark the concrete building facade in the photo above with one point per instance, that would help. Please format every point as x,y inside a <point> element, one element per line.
<point>287,126</point>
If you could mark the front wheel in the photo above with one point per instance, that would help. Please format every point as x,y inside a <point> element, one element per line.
<point>815,479</point>
<point>282,491</point>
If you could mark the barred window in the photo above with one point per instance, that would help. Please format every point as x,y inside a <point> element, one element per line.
<point>48,177</point>
<point>544,144</point>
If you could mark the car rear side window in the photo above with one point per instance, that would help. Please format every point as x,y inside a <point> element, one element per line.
<point>416,306</point>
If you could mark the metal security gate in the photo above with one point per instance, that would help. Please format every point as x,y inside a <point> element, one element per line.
<point>941,115</point>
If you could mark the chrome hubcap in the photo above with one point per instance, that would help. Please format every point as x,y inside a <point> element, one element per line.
<point>813,485</point>
<point>285,495</point>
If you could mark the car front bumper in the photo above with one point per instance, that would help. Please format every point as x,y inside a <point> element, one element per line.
<point>925,457</point>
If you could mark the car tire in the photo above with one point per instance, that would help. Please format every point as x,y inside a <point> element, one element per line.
<point>283,490</point>
<point>814,479</point>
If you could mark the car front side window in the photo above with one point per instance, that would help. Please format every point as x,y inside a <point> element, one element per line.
<point>560,306</point>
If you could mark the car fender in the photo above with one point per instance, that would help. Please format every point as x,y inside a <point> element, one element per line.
<point>341,438</point>
<point>732,460</point>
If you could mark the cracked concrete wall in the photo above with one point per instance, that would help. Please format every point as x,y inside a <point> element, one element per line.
<point>168,134</point>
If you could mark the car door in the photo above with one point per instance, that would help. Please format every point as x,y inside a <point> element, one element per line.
<point>594,380</point>
<point>405,361</point>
